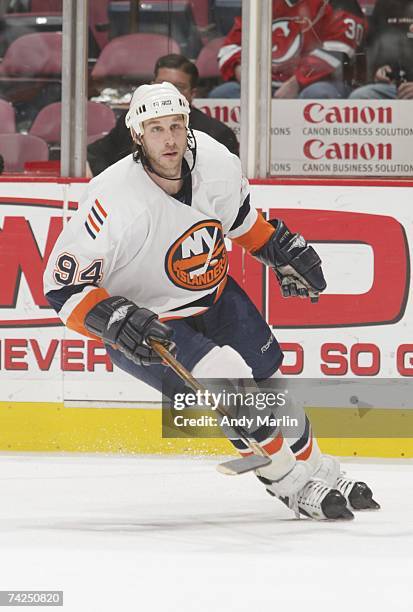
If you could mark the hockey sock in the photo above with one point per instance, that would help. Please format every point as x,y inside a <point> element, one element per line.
<point>225,362</point>
<point>299,436</point>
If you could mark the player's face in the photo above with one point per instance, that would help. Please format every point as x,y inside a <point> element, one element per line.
<point>165,142</point>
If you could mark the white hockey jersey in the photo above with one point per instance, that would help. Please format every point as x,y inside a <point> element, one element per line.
<point>130,238</point>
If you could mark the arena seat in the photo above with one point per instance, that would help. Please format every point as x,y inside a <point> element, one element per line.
<point>98,16</point>
<point>173,18</point>
<point>132,57</point>
<point>98,23</point>
<point>207,62</point>
<point>200,11</point>
<point>47,124</point>
<point>15,25</point>
<point>17,149</point>
<point>7,117</point>
<point>34,55</point>
<point>46,6</point>
<point>30,74</point>
<point>46,16</point>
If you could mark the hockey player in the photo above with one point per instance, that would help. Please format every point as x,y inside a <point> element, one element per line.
<point>145,257</point>
<point>313,40</point>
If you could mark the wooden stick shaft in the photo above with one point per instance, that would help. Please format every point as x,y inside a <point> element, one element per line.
<point>177,367</point>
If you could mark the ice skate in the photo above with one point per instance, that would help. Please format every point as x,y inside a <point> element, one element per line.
<point>316,500</point>
<point>358,494</point>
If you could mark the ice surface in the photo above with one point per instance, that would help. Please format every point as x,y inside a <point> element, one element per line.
<point>171,534</point>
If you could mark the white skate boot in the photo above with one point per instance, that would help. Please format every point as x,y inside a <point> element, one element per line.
<point>319,501</point>
<point>313,499</point>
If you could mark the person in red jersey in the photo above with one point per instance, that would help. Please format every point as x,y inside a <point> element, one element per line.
<point>313,41</point>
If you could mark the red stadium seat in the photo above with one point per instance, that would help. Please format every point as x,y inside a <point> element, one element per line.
<point>47,124</point>
<point>34,55</point>
<point>17,149</point>
<point>207,62</point>
<point>200,11</point>
<point>173,18</point>
<point>99,21</point>
<point>46,6</point>
<point>100,118</point>
<point>7,117</point>
<point>46,16</point>
<point>133,57</point>
<point>30,74</point>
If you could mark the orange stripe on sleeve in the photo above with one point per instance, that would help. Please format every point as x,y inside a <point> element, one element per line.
<point>257,236</point>
<point>77,316</point>
<point>93,224</point>
<point>101,209</point>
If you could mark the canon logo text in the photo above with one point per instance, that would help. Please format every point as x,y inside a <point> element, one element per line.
<point>318,149</point>
<point>316,112</point>
<point>221,112</point>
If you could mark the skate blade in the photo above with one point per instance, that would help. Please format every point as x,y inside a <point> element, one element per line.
<point>344,515</point>
<point>243,465</point>
<point>369,504</point>
<point>374,505</point>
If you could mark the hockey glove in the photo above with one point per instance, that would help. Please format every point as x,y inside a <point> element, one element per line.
<point>121,323</point>
<point>296,265</point>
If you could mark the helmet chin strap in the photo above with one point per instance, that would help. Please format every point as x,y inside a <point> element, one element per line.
<point>191,147</point>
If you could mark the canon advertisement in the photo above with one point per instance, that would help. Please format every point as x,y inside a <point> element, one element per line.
<point>332,137</point>
<point>341,137</point>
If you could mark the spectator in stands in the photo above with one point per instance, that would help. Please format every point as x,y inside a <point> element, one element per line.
<point>390,52</point>
<point>313,40</point>
<point>182,73</point>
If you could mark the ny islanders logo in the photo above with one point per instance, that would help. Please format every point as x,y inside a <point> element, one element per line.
<point>198,259</point>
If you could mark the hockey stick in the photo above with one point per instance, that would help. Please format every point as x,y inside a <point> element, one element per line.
<point>258,459</point>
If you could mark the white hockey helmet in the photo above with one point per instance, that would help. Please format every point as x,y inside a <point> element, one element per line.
<point>157,100</point>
